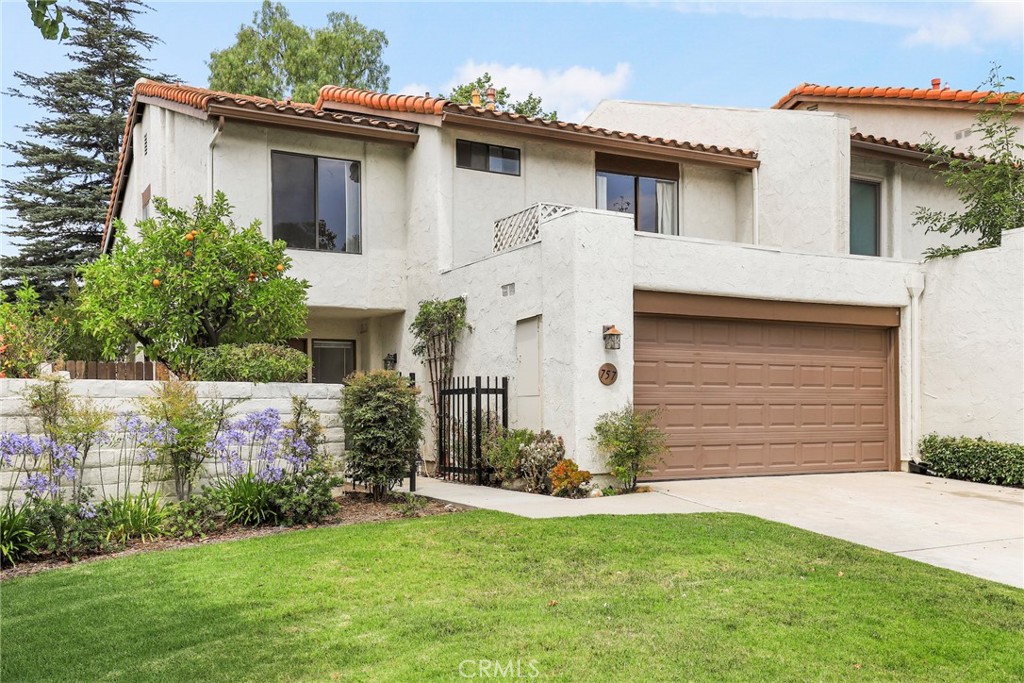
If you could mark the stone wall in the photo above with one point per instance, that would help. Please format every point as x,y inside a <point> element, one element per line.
<point>122,397</point>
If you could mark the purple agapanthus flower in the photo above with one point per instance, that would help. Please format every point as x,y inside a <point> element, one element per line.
<point>38,485</point>
<point>16,446</point>
<point>87,511</point>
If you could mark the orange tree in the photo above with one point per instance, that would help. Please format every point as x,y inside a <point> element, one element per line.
<point>192,280</point>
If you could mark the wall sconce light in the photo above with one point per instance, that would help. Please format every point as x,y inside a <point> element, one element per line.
<point>391,361</point>
<point>612,337</point>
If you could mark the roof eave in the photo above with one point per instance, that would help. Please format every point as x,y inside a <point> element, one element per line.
<point>603,143</point>
<point>311,122</point>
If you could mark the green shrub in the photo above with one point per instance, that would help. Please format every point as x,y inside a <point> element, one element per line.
<point>538,458</point>
<point>134,517</point>
<point>252,363</point>
<point>569,481</point>
<point>383,423</point>
<point>502,450</point>
<point>28,336</point>
<point>193,424</point>
<point>410,505</point>
<point>68,529</point>
<point>247,500</point>
<point>631,442</point>
<point>305,496</point>
<point>961,457</point>
<point>17,540</point>
<point>192,518</point>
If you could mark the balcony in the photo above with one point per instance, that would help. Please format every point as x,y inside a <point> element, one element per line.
<point>523,227</point>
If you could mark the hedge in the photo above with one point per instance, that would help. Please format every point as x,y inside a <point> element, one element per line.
<point>961,457</point>
<point>252,363</point>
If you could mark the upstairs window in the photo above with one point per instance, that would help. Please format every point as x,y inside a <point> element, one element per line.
<point>480,156</point>
<point>865,201</point>
<point>316,203</point>
<point>648,190</point>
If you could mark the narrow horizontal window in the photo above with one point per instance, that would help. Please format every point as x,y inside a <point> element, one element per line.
<point>480,156</point>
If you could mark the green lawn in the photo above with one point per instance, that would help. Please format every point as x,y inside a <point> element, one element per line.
<point>688,597</point>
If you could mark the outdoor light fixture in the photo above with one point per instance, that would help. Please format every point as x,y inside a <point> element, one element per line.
<point>612,337</point>
<point>391,361</point>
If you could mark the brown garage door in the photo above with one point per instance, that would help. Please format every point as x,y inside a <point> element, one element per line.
<point>742,397</point>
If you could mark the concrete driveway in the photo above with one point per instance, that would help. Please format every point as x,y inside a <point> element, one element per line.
<point>971,528</point>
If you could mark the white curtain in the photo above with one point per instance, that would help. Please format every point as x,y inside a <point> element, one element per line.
<point>665,195</point>
<point>602,193</point>
<point>353,218</point>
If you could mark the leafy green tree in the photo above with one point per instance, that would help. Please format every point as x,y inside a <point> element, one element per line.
<point>64,167</point>
<point>531,106</point>
<point>191,281</point>
<point>48,17</point>
<point>990,185</point>
<point>275,57</point>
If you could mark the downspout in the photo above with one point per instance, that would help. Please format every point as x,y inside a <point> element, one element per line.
<point>915,286</point>
<point>213,143</point>
<point>755,223</point>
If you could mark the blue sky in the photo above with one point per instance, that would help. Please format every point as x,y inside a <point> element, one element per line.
<point>745,54</point>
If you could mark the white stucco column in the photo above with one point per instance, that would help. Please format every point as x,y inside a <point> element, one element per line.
<point>588,283</point>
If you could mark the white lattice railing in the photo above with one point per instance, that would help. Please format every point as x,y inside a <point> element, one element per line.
<point>523,227</point>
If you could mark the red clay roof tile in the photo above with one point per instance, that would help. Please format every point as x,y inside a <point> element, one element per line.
<point>810,90</point>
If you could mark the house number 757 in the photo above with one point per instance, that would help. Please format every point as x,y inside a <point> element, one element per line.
<point>607,373</point>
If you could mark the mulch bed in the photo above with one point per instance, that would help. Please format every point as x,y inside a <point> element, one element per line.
<point>356,507</point>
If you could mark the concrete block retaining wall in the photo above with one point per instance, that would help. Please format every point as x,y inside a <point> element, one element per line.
<point>122,397</point>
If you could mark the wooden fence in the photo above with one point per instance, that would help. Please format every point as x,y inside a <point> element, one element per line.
<point>91,369</point>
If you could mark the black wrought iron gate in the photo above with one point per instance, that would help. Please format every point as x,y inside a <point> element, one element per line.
<point>468,409</point>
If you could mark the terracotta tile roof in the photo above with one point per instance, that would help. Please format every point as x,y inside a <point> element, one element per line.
<point>898,145</point>
<point>933,94</point>
<point>202,99</point>
<point>411,104</point>
<point>597,132</point>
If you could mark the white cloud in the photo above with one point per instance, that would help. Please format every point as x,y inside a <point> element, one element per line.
<point>943,25</point>
<point>414,89</point>
<point>573,92</point>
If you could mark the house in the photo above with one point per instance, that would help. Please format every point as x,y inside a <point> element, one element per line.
<point>776,333</point>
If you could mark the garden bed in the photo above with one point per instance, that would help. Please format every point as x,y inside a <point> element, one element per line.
<point>354,507</point>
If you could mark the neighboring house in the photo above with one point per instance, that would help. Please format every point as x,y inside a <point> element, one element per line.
<point>717,240</point>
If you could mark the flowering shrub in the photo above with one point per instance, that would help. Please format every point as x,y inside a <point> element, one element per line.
<point>28,337</point>
<point>569,481</point>
<point>272,474</point>
<point>537,458</point>
<point>195,424</point>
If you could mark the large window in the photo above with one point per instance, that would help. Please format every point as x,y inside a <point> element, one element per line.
<point>864,217</point>
<point>480,156</point>
<point>316,203</point>
<point>648,190</point>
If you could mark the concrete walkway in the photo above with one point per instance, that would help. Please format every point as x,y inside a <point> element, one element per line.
<point>971,528</point>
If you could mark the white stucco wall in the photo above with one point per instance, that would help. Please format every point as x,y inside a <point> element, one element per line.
<point>121,397</point>
<point>804,175</point>
<point>913,123</point>
<point>973,343</point>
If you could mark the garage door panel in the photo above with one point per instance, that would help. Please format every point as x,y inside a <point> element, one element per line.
<point>739,397</point>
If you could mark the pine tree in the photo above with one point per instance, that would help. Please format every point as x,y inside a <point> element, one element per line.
<point>66,162</point>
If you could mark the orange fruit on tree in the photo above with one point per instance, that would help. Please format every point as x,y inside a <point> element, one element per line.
<point>156,283</point>
<point>280,267</point>
<point>190,236</point>
<point>188,253</point>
